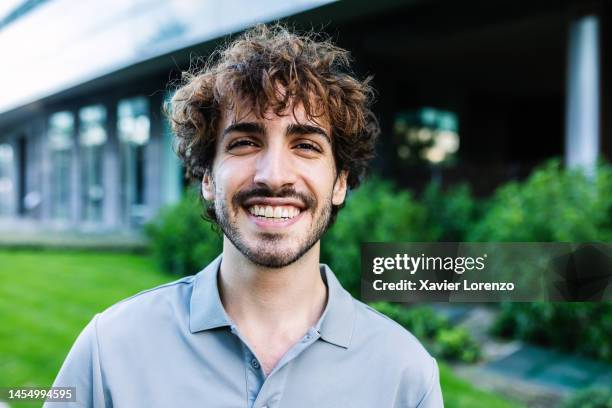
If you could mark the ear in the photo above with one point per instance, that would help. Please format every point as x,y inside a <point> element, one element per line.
<point>208,186</point>
<point>339,192</point>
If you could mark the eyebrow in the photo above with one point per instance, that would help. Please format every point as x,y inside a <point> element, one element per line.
<point>300,129</point>
<point>244,127</point>
<point>293,129</point>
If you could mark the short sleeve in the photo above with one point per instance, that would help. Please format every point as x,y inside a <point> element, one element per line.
<point>433,396</point>
<point>81,369</point>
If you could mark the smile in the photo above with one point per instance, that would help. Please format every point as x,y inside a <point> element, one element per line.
<point>274,213</point>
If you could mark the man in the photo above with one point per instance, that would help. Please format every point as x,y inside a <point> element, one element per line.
<point>276,130</point>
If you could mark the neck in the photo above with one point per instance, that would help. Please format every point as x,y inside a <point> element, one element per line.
<point>285,300</point>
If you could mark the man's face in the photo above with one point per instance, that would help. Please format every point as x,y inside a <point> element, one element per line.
<point>273,183</point>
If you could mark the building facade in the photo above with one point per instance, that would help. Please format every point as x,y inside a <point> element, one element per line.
<point>84,144</point>
<point>95,153</point>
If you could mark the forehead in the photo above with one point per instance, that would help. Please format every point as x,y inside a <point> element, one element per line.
<point>292,114</point>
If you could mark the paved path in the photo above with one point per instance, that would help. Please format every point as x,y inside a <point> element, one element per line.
<point>536,376</point>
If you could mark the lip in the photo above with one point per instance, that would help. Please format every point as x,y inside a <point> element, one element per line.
<point>265,224</point>
<point>274,201</point>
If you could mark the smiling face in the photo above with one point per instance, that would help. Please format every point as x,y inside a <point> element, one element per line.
<point>273,183</point>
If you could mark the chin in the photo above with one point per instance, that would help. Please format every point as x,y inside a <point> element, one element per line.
<point>272,260</point>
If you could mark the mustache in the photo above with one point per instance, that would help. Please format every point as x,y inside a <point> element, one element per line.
<point>260,192</point>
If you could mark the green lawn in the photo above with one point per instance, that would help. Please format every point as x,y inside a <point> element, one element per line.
<point>46,298</point>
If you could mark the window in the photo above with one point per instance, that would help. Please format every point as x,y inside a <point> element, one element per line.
<point>427,135</point>
<point>134,133</point>
<point>60,137</point>
<point>7,185</point>
<point>92,138</point>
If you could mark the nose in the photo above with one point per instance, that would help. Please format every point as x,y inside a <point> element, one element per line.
<point>274,168</point>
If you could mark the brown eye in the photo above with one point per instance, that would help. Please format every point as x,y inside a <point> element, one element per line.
<point>308,146</point>
<point>240,143</point>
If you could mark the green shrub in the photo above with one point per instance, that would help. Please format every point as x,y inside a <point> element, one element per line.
<point>554,204</point>
<point>434,330</point>
<point>376,212</point>
<point>423,322</point>
<point>181,240</point>
<point>590,398</point>
<point>585,328</point>
<point>451,214</point>
<point>455,343</point>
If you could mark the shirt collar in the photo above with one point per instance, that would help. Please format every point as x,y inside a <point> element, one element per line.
<point>206,310</point>
<point>336,322</point>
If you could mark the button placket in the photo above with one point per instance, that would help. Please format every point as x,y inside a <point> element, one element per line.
<point>254,376</point>
<point>272,389</point>
<point>255,364</point>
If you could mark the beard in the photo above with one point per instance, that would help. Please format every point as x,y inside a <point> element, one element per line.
<point>273,250</point>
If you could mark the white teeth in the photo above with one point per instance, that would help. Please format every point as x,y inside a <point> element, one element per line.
<point>274,212</point>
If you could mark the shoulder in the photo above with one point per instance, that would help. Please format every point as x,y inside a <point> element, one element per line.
<point>379,328</point>
<point>151,307</point>
<point>400,353</point>
<point>401,350</point>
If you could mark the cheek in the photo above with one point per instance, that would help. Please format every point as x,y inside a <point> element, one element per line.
<point>319,180</point>
<point>231,177</point>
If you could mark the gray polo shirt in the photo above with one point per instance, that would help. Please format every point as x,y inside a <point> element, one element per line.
<point>174,346</point>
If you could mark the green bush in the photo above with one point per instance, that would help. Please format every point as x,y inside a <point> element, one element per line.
<point>554,204</point>
<point>451,214</point>
<point>434,330</point>
<point>455,343</point>
<point>585,328</point>
<point>376,212</point>
<point>590,398</point>
<point>423,322</point>
<point>181,240</point>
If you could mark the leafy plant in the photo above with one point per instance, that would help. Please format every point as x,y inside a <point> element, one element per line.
<point>451,214</point>
<point>585,328</point>
<point>553,204</point>
<point>376,212</point>
<point>181,240</point>
<point>456,343</point>
<point>596,397</point>
<point>434,330</point>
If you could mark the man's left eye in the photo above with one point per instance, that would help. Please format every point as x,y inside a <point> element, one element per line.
<point>308,146</point>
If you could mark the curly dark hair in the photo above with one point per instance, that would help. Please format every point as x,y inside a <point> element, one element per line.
<point>311,71</point>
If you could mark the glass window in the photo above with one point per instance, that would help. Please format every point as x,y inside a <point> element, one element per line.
<point>92,137</point>
<point>7,185</point>
<point>134,133</point>
<point>60,135</point>
<point>427,135</point>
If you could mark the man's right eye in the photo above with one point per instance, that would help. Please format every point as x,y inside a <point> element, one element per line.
<point>240,143</point>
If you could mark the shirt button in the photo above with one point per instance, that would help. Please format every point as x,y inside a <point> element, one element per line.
<point>255,364</point>
<point>306,338</point>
